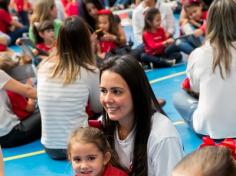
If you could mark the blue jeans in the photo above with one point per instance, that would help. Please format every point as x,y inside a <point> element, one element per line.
<point>171,51</point>
<point>185,104</point>
<point>17,34</point>
<point>188,44</point>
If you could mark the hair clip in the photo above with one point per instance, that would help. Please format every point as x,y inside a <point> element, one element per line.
<point>228,142</point>
<point>104,12</point>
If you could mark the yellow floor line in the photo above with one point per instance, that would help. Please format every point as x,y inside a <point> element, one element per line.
<point>24,155</point>
<point>180,122</point>
<point>167,77</point>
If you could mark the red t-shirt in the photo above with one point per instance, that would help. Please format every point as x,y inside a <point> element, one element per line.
<point>19,104</point>
<point>20,5</point>
<point>113,171</point>
<point>43,47</point>
<point>71,9</point>
<point>107,46</point>
<point>5,20</point>
<point>153,42</point>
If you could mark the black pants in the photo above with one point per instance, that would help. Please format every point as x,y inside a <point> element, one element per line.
<point>23,133</point>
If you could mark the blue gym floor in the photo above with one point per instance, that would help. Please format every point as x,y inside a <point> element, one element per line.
<point>31,159</point>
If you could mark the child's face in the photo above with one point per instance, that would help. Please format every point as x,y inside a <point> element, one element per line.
<point>87,159</point>
<point>92,10</point>
<point>47,35</point>
<point>156,23</point>
<point>103,22</point>
<point>194,12</point>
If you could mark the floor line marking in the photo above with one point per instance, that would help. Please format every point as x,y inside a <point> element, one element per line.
<point>24,155</point>
<point>167,77</point>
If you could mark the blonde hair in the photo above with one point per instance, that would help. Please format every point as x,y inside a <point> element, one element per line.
<point>94,136</point>
<point>221,25</point>
<point>208,161</point>
<point>42,11</point>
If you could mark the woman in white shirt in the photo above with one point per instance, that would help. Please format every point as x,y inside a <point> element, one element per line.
<point>212,73</point>
<point>146,141</point>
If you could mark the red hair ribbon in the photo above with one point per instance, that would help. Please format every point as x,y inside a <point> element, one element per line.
<point>228,142</point>
<point>104,12</point>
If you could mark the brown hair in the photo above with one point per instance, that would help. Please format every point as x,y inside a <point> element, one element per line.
<point>209,161</point>
<point>94,136</point>
<point>73,49</point>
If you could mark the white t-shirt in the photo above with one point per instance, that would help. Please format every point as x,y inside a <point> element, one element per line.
<point>215,114</point>
<point>8,120</point>
<point>164,147</point>
<point>62,107</point>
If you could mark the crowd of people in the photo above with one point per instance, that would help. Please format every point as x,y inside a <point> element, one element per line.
<point>83,76</point>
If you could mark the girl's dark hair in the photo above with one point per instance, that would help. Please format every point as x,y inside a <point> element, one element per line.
<point>74,49</point>
<point>4,4</point>
<point>144,104</point>
<point>149,17</point>
<point>113,25</point>
<point>41,27</point>
<point>91,22</point>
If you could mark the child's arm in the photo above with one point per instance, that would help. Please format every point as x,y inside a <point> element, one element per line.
<point>30,107</point>
<point>122,38</point>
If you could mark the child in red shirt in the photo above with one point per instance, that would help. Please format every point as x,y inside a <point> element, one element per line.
<point>90,153</point>
<point>111,33</point>
<point>23,107</point>
<point>159,49</point>
<point>45,38</point>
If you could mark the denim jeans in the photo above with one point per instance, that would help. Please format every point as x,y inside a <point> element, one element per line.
<point>171,51</point>
<point>17,34</point>
<point>187,45</point>
<point>185,104</point>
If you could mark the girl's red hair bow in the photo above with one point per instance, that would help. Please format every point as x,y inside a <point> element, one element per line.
<point>104,12</point>
<point>228,142</point>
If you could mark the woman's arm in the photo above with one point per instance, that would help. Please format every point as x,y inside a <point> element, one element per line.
<point>23,89</point>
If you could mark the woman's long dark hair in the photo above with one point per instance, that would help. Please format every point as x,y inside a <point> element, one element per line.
<point>91,22</point>
<point>145,105</point>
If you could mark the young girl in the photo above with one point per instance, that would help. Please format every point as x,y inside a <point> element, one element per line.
<point>45,37</point>
<point>207,161</point>
<point>194,24</point>
<point>159,49</point>
<point>90,153</point>
<point>112,35</point>
<point>212,75</point>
